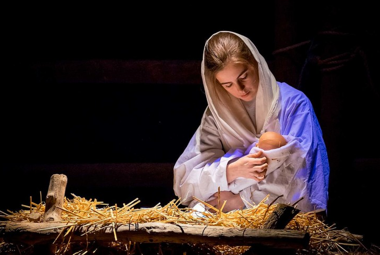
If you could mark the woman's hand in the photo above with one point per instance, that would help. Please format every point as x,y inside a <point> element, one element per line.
<point>252,166</point>
<point>234,201</point>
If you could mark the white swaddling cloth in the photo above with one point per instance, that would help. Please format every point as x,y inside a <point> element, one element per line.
<point>277,158</point>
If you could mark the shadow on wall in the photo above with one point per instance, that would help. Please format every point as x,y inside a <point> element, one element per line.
<point>114,183</point>
<point>99,123</point>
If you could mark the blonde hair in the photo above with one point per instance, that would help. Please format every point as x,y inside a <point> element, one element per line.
<point>224,47</point>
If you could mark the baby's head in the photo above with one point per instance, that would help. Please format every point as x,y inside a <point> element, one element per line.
<point>271,140</point>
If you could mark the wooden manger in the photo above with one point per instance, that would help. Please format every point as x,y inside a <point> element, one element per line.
<point>62,224</point>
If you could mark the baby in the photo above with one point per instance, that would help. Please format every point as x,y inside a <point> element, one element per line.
<point>271,140</point>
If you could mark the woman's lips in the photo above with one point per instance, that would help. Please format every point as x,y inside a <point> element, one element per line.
<point>246,93</point>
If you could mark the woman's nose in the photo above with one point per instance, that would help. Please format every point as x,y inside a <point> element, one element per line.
<point>240,86</point>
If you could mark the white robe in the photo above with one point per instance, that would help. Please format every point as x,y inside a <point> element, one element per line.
<point>300,169</point>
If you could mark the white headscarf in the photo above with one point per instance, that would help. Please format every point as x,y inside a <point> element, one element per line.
<point>235,125</point>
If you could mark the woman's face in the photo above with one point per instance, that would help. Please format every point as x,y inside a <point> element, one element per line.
<point>240,80</point>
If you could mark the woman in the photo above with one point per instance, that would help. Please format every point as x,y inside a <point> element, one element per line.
<point>245,101</point>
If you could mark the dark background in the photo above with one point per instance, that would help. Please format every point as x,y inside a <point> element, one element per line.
<point>110,95</point>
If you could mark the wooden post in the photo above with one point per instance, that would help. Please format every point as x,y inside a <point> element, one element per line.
<point>281,216</point>
<point>55,197</point>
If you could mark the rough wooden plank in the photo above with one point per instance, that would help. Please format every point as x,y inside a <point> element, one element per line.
<point>43,233</point>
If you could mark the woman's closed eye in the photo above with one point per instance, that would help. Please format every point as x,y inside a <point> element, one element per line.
<point>243,76</point>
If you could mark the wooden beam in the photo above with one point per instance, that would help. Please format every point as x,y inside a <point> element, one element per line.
<point>45,233</point>
<point>122,71</point>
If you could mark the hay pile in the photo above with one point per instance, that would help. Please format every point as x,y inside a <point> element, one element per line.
<point>80,211</point>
